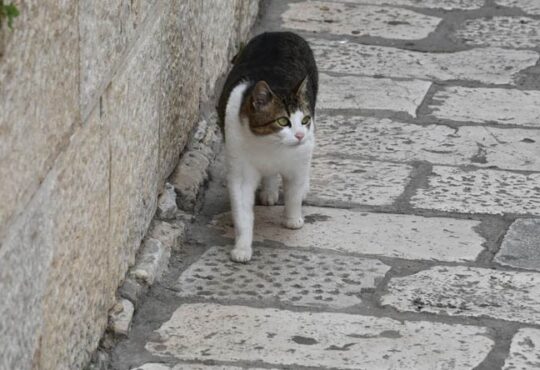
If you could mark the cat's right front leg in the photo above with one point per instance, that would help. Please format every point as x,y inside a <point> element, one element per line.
<point>242,186</point>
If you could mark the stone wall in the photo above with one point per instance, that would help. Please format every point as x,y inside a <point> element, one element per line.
<point>97,100</point>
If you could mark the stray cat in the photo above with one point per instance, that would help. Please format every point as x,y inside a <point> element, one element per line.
<point>267,108</point>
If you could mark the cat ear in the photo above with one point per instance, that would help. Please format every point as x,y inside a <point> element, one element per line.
<point>261,95</point>
<point>301,87</point>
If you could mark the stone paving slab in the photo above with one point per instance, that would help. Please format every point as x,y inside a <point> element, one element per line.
<point>355,92</point>
<point>390,235</point>
<point>529,6</point>
<point>286,276</point>
<point>510,32</point>
<point>436,4</point>
<point>524,351</point>
<point>468,291</point>
<point>389,140</point>
<point>521,245</point>
<point>502,106</point>
<point>486,65</point>
<point>357,181</point>
<point>278,337</point>
<point>355,20</point>
<point>452,189</point>
<point>158,366</point>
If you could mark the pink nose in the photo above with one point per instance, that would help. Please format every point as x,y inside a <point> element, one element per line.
<point>299,136</point>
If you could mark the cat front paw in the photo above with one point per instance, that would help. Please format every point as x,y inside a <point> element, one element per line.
<point>241,254</point>
<point>293,223</point>
<point>268,198</point>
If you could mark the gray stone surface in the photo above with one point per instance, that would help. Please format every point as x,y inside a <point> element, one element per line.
<point>452,189</point>
<point>510,32</point>
<point>181,75</point>
<point>386,139</point>
<point>521,245</point>
<point>353,92</point>
<point>487,65</point>
<point>436,4</point>
<point>157,366</point>
<point>152,260</point>
<point>488,105</point>
<point>357,181</point>
<point>107,30</point>
<point>391,235</point>
<point>40,58</point>
<point>292,339</point>
<point>468,291</point>
<point>131,110</point>
<point>38,256</point>
<point>120,317</point>
<point>166,204</point>
<point>524,350</point>
<point>528,6</point>
<point>350,19</point>
<point>170,234</point>
<point>275,275</point>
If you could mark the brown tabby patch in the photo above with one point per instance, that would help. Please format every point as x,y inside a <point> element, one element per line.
<point>262,107</point>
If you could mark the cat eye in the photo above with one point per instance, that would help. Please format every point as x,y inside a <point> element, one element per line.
<point>283,122</point>
<point>306,120</point>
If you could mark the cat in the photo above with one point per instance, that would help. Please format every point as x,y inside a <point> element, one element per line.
<point>267,112</point>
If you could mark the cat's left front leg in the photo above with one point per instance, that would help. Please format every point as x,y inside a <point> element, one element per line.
<point>294,187</point>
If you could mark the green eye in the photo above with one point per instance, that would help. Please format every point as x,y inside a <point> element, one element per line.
<point>283,122</point>
<point>306,120</point>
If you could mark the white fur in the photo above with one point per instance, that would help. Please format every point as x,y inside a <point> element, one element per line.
<point>252,158</point>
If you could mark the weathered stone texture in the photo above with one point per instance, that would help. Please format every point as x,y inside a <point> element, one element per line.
<point>389,140</point>
<point>436,4</point>
<point>181,75</point>
<point>294,339</point>
<point>511,32</point>
<point>350,19</point>
<point>524,350</point>
<point>487,65</point>
<point>53,292</point>
<point>468,291</point>
<point>521,245</point>
<point>452,189</point>
<point>528,6</point>
<point>131,109</point>
<point>365,93</point>
<point>39,58</point>
<point>391,235</point>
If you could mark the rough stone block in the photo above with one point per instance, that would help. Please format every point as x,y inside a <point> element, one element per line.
<point>61,231</point>
<point>131,111</point>
<point>521,245</point>
<point>487,65</point>
<point>152,260</point>
<point>106,29</point>
<point>468,291</point>
<point>389,140</point>
<point>40,59</point>
<point>358,20</point>
<point>285,276</point>
<point>435,4</point>
<point>188,178</point>
<point>132,290</point>
<point>391,235</point>
<point>219,41</point>
<point>353,92</point>
<point>510,32</point>
<point>166,206</point>
<point>528,6</point>
<point>502,106</point>
<point>120,317</point>
<point>181,79</point>
<point>170,234</point>
<point>336,340</point>
<point>524,350</point>
<point>357,181</point>
<point>452,189</point>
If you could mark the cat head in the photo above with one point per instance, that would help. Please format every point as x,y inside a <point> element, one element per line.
<point>284,117</point>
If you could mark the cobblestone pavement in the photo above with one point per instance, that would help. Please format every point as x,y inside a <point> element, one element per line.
<point>421,248</point>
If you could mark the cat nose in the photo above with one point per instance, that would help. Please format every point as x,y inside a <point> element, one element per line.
<point>299,136</point>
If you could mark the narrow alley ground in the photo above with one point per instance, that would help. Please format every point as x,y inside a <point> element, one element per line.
<point>421,248</point>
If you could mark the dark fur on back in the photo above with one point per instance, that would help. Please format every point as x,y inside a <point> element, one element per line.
<point>282,60</point>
